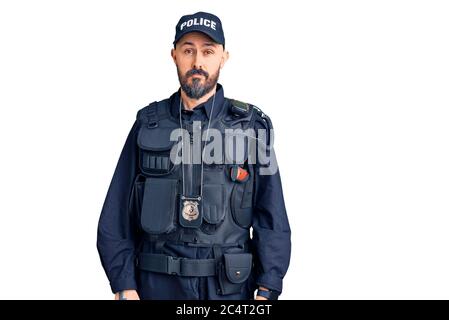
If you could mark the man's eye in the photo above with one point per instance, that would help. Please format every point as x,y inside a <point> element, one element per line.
<point>188,51</point>
<point>209,52</point>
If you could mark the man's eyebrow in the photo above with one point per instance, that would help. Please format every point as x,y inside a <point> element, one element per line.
<point>205,44</point>
<point>185,43</point>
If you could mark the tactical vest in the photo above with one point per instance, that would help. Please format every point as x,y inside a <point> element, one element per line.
<point>226,204</point>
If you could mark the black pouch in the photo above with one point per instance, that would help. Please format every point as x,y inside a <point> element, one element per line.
<point>214,207</point>
<point>233,272</point>
<point>241,202</point>
<point>159,205</point>
<point>154,151</point>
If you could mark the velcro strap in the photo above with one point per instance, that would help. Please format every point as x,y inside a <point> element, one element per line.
<point>162,263</point>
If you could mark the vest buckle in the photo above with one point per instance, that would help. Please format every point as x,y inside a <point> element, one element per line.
<point>173,265</point>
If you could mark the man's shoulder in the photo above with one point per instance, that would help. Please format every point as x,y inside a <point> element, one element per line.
<point>155,107</point>
<point>241,108</point>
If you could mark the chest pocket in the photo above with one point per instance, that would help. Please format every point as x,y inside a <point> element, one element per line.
<point>160,190</point>
<point>154,150</point>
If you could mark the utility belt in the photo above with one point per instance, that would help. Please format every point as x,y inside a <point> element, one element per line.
<point>232,270</point>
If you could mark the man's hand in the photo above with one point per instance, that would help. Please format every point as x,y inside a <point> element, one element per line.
<point>127,295</point>
<point>259,297</point>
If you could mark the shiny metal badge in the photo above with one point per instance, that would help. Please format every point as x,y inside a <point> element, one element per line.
<point>190,210</point>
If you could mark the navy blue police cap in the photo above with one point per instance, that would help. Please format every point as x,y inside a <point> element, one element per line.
<point>204,22</point>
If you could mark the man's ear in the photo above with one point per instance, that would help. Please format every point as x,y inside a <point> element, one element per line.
<point>224,58</point>
<point>173,55</point>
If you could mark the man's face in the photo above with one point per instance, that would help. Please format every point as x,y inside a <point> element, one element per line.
<point>198,60</point>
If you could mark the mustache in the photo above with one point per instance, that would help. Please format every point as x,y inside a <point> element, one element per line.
<point>197,71</point>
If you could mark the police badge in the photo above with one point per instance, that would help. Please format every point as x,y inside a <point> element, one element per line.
<point>190,212</point>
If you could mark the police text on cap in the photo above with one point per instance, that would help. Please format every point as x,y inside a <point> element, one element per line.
<point>203,22</point>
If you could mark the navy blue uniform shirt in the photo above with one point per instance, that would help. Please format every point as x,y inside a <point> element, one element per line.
<point>118,239</point>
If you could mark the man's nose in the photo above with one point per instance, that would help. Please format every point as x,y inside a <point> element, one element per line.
<point>198,62</point>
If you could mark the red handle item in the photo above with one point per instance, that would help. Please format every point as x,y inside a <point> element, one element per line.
<point>239,174</point>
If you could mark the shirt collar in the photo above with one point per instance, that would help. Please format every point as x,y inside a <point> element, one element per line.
<point>207,105</point>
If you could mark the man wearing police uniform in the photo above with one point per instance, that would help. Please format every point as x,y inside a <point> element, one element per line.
<point>181,229</point>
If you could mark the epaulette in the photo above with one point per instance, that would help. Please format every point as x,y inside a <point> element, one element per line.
<point>263,117</point>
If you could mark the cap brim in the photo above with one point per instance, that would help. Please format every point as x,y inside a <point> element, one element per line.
<point>207,33</point>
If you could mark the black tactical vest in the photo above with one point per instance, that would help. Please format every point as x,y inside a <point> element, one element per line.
<point>226,204</point>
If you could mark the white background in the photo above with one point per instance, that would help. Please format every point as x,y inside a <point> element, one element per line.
<point>358,94</point>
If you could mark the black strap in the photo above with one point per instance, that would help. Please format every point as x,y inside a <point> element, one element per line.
<point>218,254</point>
<point>152,116</point>
<point>178,237</point>
<point>270,294</point>
<point>162,263</point>
<point>189,239</point>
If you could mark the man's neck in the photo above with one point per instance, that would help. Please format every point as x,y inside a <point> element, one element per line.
<point>190,103</point>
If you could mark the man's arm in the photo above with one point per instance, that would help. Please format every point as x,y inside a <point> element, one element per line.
<point>116,227</point>
<point>271,229</point>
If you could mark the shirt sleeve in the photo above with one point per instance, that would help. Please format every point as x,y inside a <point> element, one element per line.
<point>116,227</point>
<point>271,229</point>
